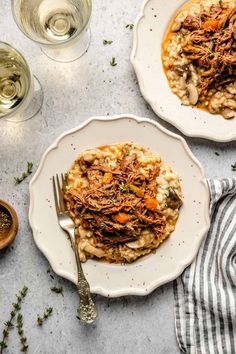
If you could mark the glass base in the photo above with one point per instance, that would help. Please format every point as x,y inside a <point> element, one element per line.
<point>70,52</point>
<point>35,103</point>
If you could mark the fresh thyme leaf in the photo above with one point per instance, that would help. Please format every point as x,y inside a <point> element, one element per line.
<point>107,42</point>
<point>23,340</point>
<point>113,61</point>
<point>29,167</point>
<point>39,321</point>
<point>9,324</point>
<point>56,290</point>
<point>24,175</point>
<point>216,153</point>
<point>48,312</point>
<point>234,167</point>
<point>124,189</point>
<point>130,26</point>
<point>5,333</point>
<point>3,345</point>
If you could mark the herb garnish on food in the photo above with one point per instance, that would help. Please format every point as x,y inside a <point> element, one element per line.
<point>216,153</point>
<point>48,312</point>
<point>18,180</point>
<point>113,61</point>
<point>9,324</point>
<point>130,26</point>
<point>56,290</point>
<point>234,167</point>
<point>23,339</point>
<point>107,42</point>
<point>123,188</point>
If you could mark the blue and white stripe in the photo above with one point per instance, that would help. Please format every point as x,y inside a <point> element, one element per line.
<point>205,294</point>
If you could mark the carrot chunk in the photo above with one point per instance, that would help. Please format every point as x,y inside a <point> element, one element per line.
<point>122,218</point>
<point>136,190</point>
<point>151,203</point>
<point>107,178</point>
<point>211,24</point>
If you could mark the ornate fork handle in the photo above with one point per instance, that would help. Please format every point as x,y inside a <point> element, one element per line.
<point>87,309</point>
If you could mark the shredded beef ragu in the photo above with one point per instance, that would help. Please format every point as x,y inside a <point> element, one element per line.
<point>211,45</point>
<point>104,206</point>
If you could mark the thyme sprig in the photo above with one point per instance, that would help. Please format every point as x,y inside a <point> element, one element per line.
<point>130,26</point>
<point>56,290</point>
<point>48,312</point>
<point>24,175</point>
<point>107,42</point>
<point>113,61</point>
<point>23,339</point>
<point>234,167</point>
<point>9,324</point>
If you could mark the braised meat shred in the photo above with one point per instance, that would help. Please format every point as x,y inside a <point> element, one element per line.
<point>119,202</point>
<point>210,44</point>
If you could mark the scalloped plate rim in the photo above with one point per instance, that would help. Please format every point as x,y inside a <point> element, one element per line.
<point>189,133</point>
<point>135,290</point>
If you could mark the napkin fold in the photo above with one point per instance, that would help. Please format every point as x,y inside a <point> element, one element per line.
<point>205,294</point>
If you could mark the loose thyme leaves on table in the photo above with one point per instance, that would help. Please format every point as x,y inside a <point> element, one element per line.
<point>106,42</point>
<point>113,61</point>
<point>56,290</point>
<point>234,167</point>
<point>130,26</point>
<point>23,339</point>
<point>18,180</point>
<point>9,324</point>
<point>48,312</point>
<point>216,153</point>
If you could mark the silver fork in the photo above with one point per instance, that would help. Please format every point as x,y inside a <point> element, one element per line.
<point>87,309</point>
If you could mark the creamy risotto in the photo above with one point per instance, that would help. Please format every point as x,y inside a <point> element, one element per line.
<point>124,201</point>
<point>199,55</point>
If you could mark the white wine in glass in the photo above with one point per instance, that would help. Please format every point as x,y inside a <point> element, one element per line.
<point>20,93</point>
<point>61,27</point>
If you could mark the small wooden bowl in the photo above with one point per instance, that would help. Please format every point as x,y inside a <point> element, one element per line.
<point>8,236</point>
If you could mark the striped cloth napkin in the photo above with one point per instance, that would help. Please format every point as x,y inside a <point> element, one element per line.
<point>205,294</point>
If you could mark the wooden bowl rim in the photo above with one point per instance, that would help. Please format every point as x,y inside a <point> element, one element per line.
<point>10,236</point>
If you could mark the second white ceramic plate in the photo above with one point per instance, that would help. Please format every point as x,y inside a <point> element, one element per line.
<point>146,58</point>
<point>174,255</point>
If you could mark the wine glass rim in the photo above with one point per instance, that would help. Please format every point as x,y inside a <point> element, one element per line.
<point>30,73</point>
<point>52,45</point>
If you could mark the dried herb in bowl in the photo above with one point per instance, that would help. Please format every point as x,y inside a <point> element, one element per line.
<point>5,221</point>
<point>8,224</point>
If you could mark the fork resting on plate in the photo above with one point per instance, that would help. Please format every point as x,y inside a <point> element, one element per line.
<point>87,309</point>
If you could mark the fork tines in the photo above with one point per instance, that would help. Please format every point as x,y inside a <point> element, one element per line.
<point>58,193</point>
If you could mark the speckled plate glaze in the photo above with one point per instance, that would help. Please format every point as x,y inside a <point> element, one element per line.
<point>174,255</point>
<point>149,31</point>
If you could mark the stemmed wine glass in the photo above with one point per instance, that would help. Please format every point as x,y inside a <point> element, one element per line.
<point>21,95</point>
<point>61,27</point>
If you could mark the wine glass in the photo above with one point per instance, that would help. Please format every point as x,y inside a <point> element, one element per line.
<point>21,95</point>
<point>61,27</point>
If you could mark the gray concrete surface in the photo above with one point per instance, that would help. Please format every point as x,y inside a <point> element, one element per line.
<point>74,92</point>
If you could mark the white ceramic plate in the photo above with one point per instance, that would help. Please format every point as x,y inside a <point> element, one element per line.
<point>176,253</point>
<point>149,30</point>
